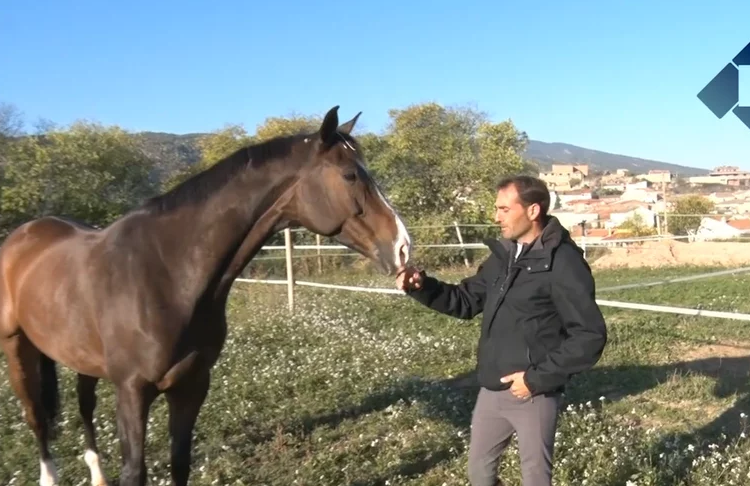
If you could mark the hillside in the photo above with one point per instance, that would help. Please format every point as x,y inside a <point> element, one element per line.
<point>178,151</point>
<point>545,154</point>
<point>173,152</point>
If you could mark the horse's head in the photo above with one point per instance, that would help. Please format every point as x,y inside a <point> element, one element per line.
<point>337,197</point>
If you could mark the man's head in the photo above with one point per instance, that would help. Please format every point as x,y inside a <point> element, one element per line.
<point>521,207</point>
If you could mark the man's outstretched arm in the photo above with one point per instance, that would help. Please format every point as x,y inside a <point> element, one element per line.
<point>463,300</point>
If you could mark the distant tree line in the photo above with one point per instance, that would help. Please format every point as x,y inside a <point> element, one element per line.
<point>436,164</point>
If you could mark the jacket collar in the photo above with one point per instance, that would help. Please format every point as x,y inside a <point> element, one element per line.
<point>537,256</point>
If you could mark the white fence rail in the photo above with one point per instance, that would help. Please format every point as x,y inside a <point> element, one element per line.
<point>290,282</point>
<point>461,244</point>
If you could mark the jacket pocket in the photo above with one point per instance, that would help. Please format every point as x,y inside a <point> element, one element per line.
<point>530,332</point>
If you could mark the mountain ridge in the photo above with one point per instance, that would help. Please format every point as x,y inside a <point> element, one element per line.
<point>548,153</point>
<point>177,151</point>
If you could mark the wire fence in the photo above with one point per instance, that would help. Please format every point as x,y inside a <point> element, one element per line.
<point>291,282</point>
<point>583,241</point>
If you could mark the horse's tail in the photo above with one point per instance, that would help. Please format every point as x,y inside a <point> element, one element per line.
<point>50,389</point>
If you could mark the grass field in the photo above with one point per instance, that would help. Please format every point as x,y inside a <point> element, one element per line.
<point>367,389</point>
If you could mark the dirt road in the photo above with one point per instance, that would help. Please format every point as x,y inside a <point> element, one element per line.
<point>669,253</point>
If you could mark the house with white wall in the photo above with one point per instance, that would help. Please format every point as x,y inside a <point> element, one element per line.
<point>648,216</point>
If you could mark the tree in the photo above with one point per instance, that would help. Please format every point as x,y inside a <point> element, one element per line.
<point>636,226</point>
<point>440,164</point>
<point>295,124</point>
<point>223,142</point>
<point>11,121</point>
<point>88,172</point>
<point>444,162</point>
<point>11,126</point>
<point>687,213</point>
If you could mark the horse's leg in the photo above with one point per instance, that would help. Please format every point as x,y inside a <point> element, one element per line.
<point>134,398</point>
<point>25,369</point>
<point>86,388</point>
<point>185,401</point>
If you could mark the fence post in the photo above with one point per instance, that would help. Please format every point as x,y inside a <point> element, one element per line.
<point>461,241</point>
<point>583,237</point>
<point>320,259</point>
<point>289,269</point>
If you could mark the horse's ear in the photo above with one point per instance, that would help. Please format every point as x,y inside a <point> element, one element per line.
<point>329,125</point>
<point>347,127</point>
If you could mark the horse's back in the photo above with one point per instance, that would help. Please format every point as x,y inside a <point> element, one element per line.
<point>48,227</point>
<point>41,264</point>
<point>35,239</point>
<point>45,246</point>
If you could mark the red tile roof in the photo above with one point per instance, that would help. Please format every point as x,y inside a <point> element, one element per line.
<point>740,224</point>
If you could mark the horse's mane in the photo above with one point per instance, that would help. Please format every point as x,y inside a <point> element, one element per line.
<point>198,187</point>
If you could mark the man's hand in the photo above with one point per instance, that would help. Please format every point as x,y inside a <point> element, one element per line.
<point>409,278</point>
<point>518,388</point>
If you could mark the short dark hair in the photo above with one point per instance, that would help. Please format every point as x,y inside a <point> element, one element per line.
<point>531,190</point>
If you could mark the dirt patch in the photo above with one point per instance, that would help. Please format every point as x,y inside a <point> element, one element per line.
<point>681,414</point>
<point>702,409</point>
<point>669,253</point>
<point>723,350</point>
<point>715,359</point>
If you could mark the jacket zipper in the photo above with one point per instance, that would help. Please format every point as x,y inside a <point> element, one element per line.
<point>502,290</point>
<point>511,261</point>
<point>507,273</point>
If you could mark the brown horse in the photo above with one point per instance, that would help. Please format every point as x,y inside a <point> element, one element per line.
<point>142,302</point>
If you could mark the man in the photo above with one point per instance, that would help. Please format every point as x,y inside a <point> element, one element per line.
<point>540,326</point>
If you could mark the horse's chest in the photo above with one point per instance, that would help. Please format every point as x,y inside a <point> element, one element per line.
<point>210,334</point>
<point>208,337</point>
<point>201,351</point>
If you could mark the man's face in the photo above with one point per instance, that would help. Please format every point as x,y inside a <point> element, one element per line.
<point>514,220</point>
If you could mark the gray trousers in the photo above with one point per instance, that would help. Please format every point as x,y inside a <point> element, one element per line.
<point>497,415</point>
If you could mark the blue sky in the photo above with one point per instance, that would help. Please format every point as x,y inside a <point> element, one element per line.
<point>620,76</point>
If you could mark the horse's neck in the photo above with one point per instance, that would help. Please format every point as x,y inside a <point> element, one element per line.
<point>210,243</point>
<point>266,219</point>
<point>270,222</point>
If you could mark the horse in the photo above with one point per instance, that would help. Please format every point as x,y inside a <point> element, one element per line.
<point>142,302</point>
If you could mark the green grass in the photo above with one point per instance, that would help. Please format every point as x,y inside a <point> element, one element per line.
<point>368,389</point>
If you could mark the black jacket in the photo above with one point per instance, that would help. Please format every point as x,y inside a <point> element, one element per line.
<point>539,312</point>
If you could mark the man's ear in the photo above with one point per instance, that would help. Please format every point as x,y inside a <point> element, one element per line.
<point>533,211</point>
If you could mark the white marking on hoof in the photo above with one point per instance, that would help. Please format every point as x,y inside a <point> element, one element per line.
<point>92,461</point>
<point>48,473</point>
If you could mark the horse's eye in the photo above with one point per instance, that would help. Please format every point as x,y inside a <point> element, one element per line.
<point>351,177</point>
